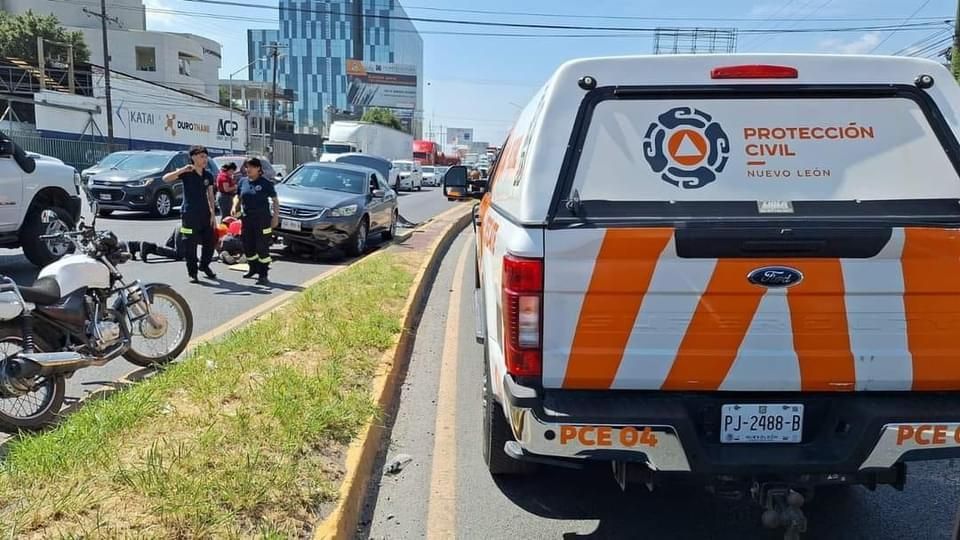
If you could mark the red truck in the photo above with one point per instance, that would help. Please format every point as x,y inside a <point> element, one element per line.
<point>428,153</point>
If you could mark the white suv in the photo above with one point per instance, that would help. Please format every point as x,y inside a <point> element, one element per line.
<point>411,177</point>
<point>31,184</point>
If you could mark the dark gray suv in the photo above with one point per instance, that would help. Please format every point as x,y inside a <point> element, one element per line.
<point>136,183</point>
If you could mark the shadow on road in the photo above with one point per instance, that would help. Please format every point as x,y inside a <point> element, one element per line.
<point>673,511</point>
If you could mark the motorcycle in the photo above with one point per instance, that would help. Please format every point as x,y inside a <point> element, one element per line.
<point>79,313</point>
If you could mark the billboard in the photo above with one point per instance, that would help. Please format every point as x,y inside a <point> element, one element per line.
<point>145,116</point>
<point>371,84</point>
<point>459,136</point>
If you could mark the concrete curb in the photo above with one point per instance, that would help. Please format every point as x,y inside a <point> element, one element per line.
<point>363,451</point>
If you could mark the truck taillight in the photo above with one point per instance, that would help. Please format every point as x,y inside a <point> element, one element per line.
<point>754,71</point>
<point>523,316</point>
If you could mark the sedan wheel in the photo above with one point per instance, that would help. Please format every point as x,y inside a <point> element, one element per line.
<point>358,242</point>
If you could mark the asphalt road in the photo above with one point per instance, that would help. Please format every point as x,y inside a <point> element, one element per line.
<point>212,303</point>
<point>446,491</point>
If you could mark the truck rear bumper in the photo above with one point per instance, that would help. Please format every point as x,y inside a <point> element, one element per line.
<point>842,433</point>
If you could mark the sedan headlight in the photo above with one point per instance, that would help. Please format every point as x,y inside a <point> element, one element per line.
<point>344,211</point>
<point>139,183</point>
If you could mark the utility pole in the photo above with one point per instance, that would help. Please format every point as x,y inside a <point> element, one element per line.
<point>273,99</point>
<point>106,64</point>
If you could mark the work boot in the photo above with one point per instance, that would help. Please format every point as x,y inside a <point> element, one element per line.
<point>208,272</point>
<point>264,270</point>
<point>194,278</point>
<point>133,247</point>
<point>147,248</point>
<point>254,269</point>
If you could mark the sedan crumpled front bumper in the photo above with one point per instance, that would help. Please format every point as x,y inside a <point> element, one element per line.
<point>322,233</point>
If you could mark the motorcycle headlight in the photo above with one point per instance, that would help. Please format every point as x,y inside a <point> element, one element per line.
<point>344,211</point>
<point>139,183</point>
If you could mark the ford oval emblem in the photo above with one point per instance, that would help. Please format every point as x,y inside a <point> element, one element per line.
<point>775,277</point>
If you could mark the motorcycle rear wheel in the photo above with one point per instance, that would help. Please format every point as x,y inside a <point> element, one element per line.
<point>35,410</point>
<point>149,351</point>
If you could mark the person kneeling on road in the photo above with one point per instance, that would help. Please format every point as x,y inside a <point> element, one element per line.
<point>258,204</point>
<point>174,247</point>
<point>198,219</point>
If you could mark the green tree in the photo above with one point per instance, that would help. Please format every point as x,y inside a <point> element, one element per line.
<point>384,117</point>
<point>225,96</point>
<point>955,62</point>
<point>18,37</point>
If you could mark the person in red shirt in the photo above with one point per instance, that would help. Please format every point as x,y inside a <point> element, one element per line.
<point>226,188</point>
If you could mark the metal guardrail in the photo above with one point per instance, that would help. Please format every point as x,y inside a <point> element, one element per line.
<point>77,154</point>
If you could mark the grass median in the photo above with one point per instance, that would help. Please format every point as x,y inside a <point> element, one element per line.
<point>243,438</point>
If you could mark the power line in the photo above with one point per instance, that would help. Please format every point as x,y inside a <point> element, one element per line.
<point>533,26</point>
<point>798,21</point>
<point>908,19</point>
<point>596,17</point>
<point>633,31</point>
<point>923,41</point>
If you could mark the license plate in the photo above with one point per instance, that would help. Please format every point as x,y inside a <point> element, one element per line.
<point>761,423</point>
<point>105,197</point>
<point>290,225</point>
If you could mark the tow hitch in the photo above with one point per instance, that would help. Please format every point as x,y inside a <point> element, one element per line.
<point>782,506</point>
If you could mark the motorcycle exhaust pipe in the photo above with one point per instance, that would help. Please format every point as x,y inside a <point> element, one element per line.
<point>44,364</point>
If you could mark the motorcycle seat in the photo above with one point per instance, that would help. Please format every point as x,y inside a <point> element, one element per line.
<point>44,292</point>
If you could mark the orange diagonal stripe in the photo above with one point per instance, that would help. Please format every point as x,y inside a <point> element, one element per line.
<point>818,316</point>
<point>931,266</point>
<point>621,276</point>
<point>717,328</point>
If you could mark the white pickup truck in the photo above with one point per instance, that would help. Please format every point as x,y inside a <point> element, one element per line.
<point>29,185</point>
<point>739,270</point>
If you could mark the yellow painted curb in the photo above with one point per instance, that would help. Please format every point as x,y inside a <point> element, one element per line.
<point>362,452</point>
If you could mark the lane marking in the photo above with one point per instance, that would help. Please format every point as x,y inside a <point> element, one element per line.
<point>442,504</point>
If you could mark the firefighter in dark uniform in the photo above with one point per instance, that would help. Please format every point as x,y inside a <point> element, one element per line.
<point>257,201</point>
<point>197,212</point>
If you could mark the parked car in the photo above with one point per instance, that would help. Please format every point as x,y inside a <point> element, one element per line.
<point>411,178</point>
<point>105,164</point>
<point>268,169</point>
<point>381,165</point>
<point>136,183</point>
<point>430,176</point>
<point>30,185</point>
<point>335,205</point>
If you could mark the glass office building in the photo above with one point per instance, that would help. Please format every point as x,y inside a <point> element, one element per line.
<point>316,38</point>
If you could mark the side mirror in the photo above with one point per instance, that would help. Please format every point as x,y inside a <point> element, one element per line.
<point>378,193</point>
<point>455,184</point>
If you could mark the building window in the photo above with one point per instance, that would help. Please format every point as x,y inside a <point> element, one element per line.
<point>184,62</point>
<point>146,59</point>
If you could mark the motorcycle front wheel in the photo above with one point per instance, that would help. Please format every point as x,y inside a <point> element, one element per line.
<point>163,335</point>
<point>33,410</point>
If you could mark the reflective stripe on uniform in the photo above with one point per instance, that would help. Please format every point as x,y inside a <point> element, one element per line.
<point>186,230</point>
<point>268,230</point>
<point>253,258</point>
<point>266,260</point>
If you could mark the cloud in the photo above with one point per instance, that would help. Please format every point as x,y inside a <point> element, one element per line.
<point>159,21</point>
<point>861,45</point>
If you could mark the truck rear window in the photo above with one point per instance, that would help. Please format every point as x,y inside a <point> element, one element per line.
<point>775,151</point>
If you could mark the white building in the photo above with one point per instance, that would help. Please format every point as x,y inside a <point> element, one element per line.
<point>184,62</point>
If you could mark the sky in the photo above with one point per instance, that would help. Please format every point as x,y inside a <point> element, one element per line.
<point>483,82</point>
